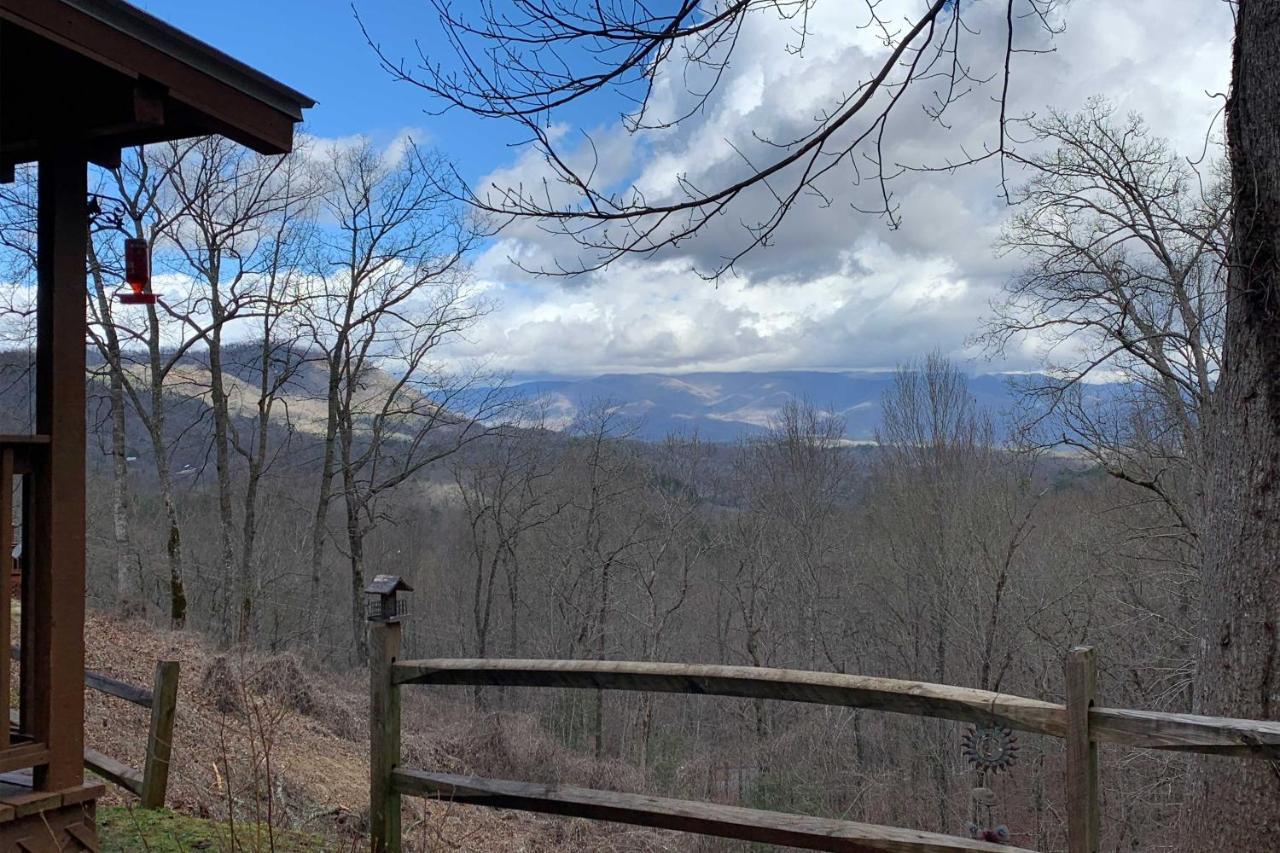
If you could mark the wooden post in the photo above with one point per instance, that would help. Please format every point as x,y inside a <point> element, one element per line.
<point>1083,816</point>
<point>384,737</point>
<point>54,669</point>
<point>164,709</point>
<point>6,578</point>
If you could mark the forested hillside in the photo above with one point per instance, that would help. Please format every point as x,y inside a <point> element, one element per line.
<point>288,422</point>
<point>955,559</point>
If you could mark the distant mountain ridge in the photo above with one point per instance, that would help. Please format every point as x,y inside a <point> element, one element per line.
<point>728,406</point>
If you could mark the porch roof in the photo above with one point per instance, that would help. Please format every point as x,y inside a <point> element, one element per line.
<point>101,75</point>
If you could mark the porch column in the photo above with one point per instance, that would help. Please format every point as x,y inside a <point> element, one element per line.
<point>55,632</point>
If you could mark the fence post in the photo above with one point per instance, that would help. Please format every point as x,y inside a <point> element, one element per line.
<point>1083,816</point>
<point>164,709</point>
<point>384,736</point>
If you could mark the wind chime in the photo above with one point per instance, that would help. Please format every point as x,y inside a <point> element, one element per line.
<point>990,750</point>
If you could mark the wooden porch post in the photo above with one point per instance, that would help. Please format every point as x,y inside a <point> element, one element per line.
<point>54,659</point>
<point>384,737</point>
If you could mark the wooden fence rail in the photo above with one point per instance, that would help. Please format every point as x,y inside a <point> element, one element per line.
<point>1148,729</point>
<point>151,784</point>
<point>1079,721</point>
<point>810,833</point>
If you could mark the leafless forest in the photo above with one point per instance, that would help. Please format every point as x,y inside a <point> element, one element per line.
<point>280,428</point>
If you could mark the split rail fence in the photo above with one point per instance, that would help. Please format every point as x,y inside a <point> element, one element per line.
<point>151,784</point>
<point>1079,721</point>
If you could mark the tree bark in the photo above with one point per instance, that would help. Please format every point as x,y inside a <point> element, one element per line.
<point>155,426</point>
<point>237,586</point>
<point>324,488</point>
<point>130,593</point>
<point>1239,673</point>
<point>355,542</point>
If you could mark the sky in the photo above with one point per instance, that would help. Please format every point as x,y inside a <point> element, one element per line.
<point>839,290</point>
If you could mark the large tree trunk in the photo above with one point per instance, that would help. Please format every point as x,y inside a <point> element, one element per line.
<point>1239,673</point>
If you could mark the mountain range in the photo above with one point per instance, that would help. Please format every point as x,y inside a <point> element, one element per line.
<point>728,406</point>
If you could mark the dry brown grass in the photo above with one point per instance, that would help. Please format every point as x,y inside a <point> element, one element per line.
<point>237,711</point>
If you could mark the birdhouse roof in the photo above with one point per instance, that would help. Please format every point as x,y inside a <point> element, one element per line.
<point>387,584</point>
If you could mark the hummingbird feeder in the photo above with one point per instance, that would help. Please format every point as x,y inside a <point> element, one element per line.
<point>137,273</point>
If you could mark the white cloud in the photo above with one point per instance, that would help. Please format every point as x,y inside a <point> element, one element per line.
<point>659,316</point>
<point>838,290</point>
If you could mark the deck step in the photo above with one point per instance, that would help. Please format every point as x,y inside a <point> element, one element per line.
<point>809,833</point>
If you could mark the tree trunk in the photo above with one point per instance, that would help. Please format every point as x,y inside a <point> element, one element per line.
<point>355,551</point>
<point>324,491</point>
<point>1239,674</point>
<point>257,460</point>
<point>231,580</point>
<point>130,594</point>
<point>601,648</point>
<point>130,597</point>
<point>173,545</point>
<point>244,584</point>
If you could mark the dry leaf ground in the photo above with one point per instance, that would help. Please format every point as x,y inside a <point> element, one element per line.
<point>263,738</point>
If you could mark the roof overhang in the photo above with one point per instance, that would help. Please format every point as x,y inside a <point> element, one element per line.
<point>101,75</point>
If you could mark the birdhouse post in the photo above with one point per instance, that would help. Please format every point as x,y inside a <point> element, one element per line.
<point>384,611</point>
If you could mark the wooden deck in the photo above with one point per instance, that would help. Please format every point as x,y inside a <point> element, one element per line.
<point>39,821</point>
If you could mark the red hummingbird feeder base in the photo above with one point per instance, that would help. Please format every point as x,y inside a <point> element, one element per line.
<point>138,297</point>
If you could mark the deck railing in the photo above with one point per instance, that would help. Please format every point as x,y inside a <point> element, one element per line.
<point>21,458</point>
<point>1079,721</point>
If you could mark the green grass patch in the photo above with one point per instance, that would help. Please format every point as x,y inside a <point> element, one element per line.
<point>163,831</point>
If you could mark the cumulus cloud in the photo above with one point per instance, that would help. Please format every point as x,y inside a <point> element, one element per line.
<point>838,289</point>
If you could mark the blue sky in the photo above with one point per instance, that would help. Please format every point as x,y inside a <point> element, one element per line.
<point>315,46</point>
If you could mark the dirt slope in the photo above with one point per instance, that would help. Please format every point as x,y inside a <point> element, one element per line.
<point>261,738</point>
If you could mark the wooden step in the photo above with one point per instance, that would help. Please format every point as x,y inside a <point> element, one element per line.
<point>809,833</point>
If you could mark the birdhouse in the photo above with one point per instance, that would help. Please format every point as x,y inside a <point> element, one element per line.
<point>137,273</point>
<point>381,604</point>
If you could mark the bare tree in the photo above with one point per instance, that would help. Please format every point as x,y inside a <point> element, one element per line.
<point>104,273</point>
<point>18,268</point>
<point>1126,279</point>
<point>669,558</point>
<point>531,61</point>
<point>592,540</point>
<point>954,510</point>
<point>273,358</point>
<point>235,206</point>
<point>138,366</point>
<point>507,495</point>
<point>395,288</point>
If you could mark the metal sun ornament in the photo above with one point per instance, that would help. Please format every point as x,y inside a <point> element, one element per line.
<point>990,748</point>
